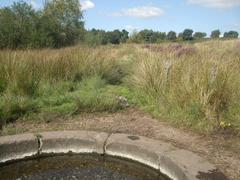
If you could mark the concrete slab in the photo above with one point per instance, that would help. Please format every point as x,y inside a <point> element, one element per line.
<point>185,165</point>
<point>175,163</point>
<point>73,141</point>
<point>17,147</point>
<point>141,149</point>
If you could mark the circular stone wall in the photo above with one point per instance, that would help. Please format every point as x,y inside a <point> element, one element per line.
<point>169,160</point>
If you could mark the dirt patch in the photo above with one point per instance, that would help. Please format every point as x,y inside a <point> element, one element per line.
<point>220,150</point>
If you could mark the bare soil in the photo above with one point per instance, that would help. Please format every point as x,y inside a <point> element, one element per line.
<point>221,150</point>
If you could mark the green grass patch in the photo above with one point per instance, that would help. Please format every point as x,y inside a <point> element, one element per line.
<point>64,98</point>
<point>191,117</point>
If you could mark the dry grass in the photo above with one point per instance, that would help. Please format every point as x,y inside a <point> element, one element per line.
<point>194,85</point>
<point>19,67</point>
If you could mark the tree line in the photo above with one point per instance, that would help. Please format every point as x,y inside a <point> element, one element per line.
<point>150,36</point>
<point>60,23</point>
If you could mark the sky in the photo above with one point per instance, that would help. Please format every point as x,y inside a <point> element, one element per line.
<point>159,15</point>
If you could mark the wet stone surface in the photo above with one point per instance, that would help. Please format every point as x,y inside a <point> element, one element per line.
<point>134,138</point>
<point>86,167</point>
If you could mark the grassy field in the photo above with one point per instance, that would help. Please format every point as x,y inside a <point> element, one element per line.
<point>194,86</point>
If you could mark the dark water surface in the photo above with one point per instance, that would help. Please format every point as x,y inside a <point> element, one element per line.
<point>86,167</point>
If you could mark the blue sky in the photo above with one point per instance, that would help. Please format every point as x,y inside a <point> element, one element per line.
<point>161,15</point>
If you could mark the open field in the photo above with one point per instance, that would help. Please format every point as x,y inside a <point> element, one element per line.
<point>194,86</point>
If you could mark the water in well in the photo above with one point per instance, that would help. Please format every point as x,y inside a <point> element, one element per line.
<point>84,167</point>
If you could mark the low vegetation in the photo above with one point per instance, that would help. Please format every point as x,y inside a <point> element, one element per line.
<point>194,86</point>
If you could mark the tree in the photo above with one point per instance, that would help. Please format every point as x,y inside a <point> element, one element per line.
<point>66,26</point>
<point>187,34</point>
<point>146,36</point>
<point>231,34</point>
<point>58,24</point>
<point>172,36</point>
<point>200,35</point>
<point>18,25</point>
<point>114,37</point>
<point>43,33</point>
<point>215,34</point>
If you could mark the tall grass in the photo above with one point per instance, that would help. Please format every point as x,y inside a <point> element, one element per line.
<point>26,76</point>
<point>197,86</point>
<point>25,69</point>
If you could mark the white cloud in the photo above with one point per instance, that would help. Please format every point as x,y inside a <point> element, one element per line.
<point>131,28</point>
<point>87,4</point>
<point>143,12</point>
<point>221,4</point>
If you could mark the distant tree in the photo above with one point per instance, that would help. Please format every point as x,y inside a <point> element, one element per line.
<point>187,34</point>
<point>215,34</point>
<point>135,37</point>
<point>172,36</point>
<point>124,36</point>
<point>114,37</point>
<point>199,35</point>
<point>161,36</point>
<point>180,36</point>
<point>154,37</point>
<point>95,37</point>
<point>101,37</point>
<point>231,34</point>
<point>147,36</point>
<point>150,36</point>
